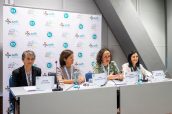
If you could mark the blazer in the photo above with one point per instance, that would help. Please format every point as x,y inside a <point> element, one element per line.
<point>19,76</point>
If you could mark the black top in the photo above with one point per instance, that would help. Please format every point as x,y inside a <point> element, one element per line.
<point>19,76</point>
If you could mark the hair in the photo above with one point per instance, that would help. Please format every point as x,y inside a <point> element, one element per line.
<point>64,55</point>
<point>100,55</point>
<point>129,59</point>
<point>28,52</point>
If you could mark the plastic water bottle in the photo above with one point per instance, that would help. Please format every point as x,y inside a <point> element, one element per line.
<point>140,76</point>
<point>76,74</point>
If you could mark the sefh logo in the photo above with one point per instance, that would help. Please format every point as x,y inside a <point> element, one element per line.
<point>13,10</point>
<point>13,44</point>
<point>81,26</point>
<point>93,63</point>
<point>66,15</point>
<point>80,54</point>
<point>94,36</point>
<point>32,23</point>
<point>49,65</point>
<point>65,45</point>
<point>49,34</point>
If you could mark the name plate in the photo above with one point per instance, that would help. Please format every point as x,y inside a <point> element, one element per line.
<point>131,77</point>
<point>158,74</point>
<point>99,79</point>
<point>44,82</point>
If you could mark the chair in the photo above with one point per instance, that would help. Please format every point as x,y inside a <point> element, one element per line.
<point>53,74</point>
<point>88,76</point>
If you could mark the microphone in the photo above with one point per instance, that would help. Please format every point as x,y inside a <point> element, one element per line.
<point>58,88</point>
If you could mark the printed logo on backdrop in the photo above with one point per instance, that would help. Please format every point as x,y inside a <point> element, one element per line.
<point>49,45</point>
<point>49,55</point>
<point>94,17</point>
<point>93,63</point>
<point>48,13</point>
<point>32,23</point>
<point>32,44</point>
<point>94,36</point>
<point>49,34</point>
<point>29,33</point>
<point>77,35</point>
<point>65,35</point>
<point>12,66</point>
<point>12,32</point>
<point>66,15</point>
<point>65,45</point>
<point>94,26</point>
<point>81,26</point>
<point>13,10</point>
<point>12,55</point>
<point>93,45</point>
<point>49,65</point>
<point>64,25</point>
<point>13,44</point>
<point>80,54</point>
<point>10,21</point>
<point>79,64</point>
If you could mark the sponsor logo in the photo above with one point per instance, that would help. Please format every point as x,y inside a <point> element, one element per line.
<point>32,23</point>
<point>49,34</point>
<point>49,65</point>
<point>48,13</point>
<point>32,44</point>
<point>49,54</point>
<point>13,10</point>
<point>64,25</point>
<point>28,33</point>
<point>93,45</point>
<point>10,21</point>
<point>65,45</point>
<point>81,26</point>
<point>93,63</point>
<point>94,36</point>
<point>12,32</point>
<point>79,35</point>
<point>80,54</point>
<point>13,55</point>
<point>79,63</point>
<point>12,65</point>
<point>66,15</point>
<point>94,26</point>
<point>94,17</point>
<point>45,44</point>
<point>13,44</point>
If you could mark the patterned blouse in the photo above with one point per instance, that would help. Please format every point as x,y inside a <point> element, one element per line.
<point>113,68</point>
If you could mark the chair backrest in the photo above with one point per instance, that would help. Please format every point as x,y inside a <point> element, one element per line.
<point>53,74</point>
<point>88,76</point>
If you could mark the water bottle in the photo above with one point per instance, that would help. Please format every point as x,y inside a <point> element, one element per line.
<point>140,76</point>
<point>75,81</point>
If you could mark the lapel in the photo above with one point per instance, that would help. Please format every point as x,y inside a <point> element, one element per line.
<point>33,75</point>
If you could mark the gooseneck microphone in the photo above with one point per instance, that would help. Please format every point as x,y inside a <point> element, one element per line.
<point>58,88</point>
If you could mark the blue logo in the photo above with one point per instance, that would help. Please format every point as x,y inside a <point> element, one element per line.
<point>49,65</point>
<point>32,23</point>
<point>81,26</point>
<point>66,15</point>
<point>93,64</point>
<point>65,45</point>
<point>49,34</point>
<point>13,10</point>
<point>94,36</point>
<point>80,54</point>
<point>13,44</point>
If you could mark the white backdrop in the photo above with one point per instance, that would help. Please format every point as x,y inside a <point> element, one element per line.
<point>47,33</point>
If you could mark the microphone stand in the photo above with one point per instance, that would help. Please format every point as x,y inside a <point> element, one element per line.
<point>58,88</point>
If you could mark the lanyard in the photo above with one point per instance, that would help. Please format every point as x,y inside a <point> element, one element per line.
<point>29,77</point>
<point>107,72</point>
<point>71,72</point>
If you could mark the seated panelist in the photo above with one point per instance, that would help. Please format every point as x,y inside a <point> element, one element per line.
<point>106,65</point>
<point>26,75</point>
<point>134,64</point>
<point>65,73</point>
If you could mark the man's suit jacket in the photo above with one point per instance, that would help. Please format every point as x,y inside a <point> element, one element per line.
<point>19,76</point>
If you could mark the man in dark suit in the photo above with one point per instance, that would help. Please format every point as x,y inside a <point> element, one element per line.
<point>26,75</point>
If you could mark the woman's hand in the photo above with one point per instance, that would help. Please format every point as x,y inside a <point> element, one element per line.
<point>116,77</point>
<point>81,79</point>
